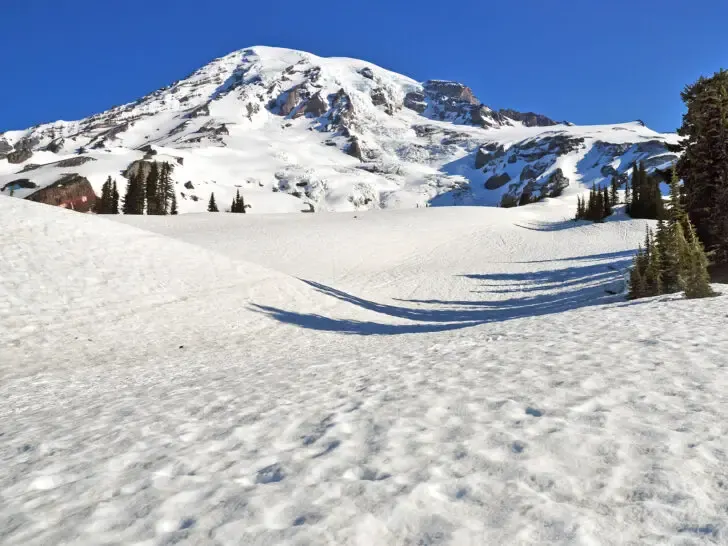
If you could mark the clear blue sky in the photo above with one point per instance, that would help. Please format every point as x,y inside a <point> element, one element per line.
<point>587,61</point>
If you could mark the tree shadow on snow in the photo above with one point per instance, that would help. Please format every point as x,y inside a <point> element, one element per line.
<point>585,286</point>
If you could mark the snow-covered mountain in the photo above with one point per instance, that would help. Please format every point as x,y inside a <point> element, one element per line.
<point>293,131</point>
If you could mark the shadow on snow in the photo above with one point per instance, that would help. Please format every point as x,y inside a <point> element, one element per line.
<point>585,286</point>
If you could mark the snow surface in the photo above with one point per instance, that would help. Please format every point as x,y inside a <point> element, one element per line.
<point>426,376</point>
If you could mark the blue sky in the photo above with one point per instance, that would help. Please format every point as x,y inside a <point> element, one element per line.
<point>586,61</point>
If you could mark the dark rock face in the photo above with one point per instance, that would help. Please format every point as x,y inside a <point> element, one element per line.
<point>189,185</point>
<point>451,90</point>
<point>55,146</point>
<point>488,153</point>
<point>497,181</point>
<point>379,98</point>
<point>317,105</point>
<point>485,117</point>
<point>75,161</point>
<point>342,110</point>
<point>136,168</point>
<point>29,167</point>
<point>71,191</point>
<point>354,149</point>
<point>20,183</point>
<point>531,172</point>
<point>19,155</point>
<point>529,119</point>
<point>555,185</point>
<point>367,73</point>
<point>203,110</point>
<point>414,100</point>
<point>5,148</point>
<point>292,99</point>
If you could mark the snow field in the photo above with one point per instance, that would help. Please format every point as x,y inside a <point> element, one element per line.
<point>457,376</point>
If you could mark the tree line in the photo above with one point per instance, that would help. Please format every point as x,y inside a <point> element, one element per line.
<point>672,258</point>
<point>238,205</point>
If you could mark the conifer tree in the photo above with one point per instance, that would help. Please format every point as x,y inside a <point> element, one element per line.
<point>637,288</point>
<point>697,279</point>
<point>211,205</point>
<point>152,189</point>
<point>598,212</point>
<point>114,199</point>
<point>103,205</point>
<point>173,204</point>
<point>653,272</point>
<point>134,196</point>
<point>614,195</point>
<point>607,202</point>
<point>165,190</point>
<point>703,165</point>
<point>627,197</point>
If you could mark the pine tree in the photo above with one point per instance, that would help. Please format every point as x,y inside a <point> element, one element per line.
<point>637,288</point>
<point>653,272</point>
<point>703,165</point>
<point>152,189</point>
<point>627,197</point>
<point>134,195</point>
<point>697,279</point>
<point>211,205</point>
<point>173,204</point>
<point>114,199</point>
<point>165,190</point>
<point>607,201</point>
<point>103,205</point>
<point>614,195</point>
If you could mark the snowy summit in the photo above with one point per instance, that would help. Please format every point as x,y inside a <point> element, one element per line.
<point>293,131</point>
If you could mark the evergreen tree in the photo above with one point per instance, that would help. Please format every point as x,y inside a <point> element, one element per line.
<point>173,204</point>
<point>627,197</point>
<point>238,204</point>
<point>211,205</point>
<point>152,189</point>
<point>697,279</point>
<point>653,272</point>
<point>614,195</point>
<point>103,205</point>
<point>135,193</point>
<point>637,287</point>
<point>607,201</point>
<point>703,165</point>
<point>165,189</point>
<point>114,199</point>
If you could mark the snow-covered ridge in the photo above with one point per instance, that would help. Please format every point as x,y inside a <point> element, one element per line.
<point>294,131</point>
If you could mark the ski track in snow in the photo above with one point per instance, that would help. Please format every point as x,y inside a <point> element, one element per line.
<point>180,385</point>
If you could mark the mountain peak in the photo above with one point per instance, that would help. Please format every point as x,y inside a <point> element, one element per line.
<point>295,131</point>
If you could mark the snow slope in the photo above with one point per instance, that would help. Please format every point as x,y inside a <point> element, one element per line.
<point>291,130</point>
<point>432,376</point>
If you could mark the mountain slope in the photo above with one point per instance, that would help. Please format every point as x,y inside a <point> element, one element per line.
<point>294,131</point>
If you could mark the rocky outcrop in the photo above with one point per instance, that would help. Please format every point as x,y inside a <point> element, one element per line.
<point>414,100</point>
<point>316,105</point>
<point>529,119</point>
<point>24,183</point>
<point>488,153</point>
<point>532,172</point>
<point>71,191</point>
<point>202,110</point>
<point>497,181</point>
<point>19,155</point>
<point>454,91</point>
<point>555,185</point>
<point>74,161</point>
<point>293,97</point>
<point>367,73</point>
<point>5,148</point>
<point>354,149</point>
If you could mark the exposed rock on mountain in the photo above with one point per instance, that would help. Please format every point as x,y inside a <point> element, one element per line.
<point>335,134</point>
